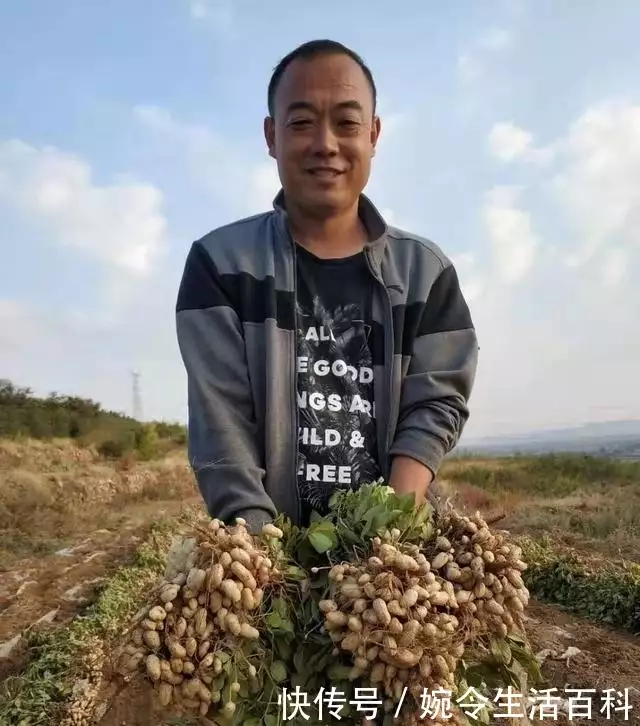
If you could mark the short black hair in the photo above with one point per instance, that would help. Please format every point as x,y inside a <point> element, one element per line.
<point>312,49</point>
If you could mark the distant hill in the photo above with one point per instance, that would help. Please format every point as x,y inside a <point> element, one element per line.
<point>620,439</point>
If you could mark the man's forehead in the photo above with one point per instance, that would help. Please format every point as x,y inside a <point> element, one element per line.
<point>337,76</point>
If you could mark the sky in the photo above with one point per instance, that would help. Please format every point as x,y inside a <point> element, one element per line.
<point>510,137</point>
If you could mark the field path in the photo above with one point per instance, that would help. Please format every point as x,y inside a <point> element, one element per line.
<point>53,588</point>
<point>579,654</point>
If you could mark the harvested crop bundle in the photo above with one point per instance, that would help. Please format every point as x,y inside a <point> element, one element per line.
<point>379,594</point>
<point>405,613</point>
<point>198,643</point>
<point>415,600</point>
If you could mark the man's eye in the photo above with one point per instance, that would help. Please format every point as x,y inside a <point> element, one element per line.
<point>299,123</point>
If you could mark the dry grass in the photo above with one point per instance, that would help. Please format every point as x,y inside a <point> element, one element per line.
<point>551,475</point>
<point>50,491</point>
<point>582,502</point>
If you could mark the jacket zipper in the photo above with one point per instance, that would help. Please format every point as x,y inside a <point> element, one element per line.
<point>388,354</point>
<point>294,384</point>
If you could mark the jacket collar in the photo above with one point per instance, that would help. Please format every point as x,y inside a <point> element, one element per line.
<point>374,222</point>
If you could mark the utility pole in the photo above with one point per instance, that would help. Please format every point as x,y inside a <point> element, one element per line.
<point>137,398</point>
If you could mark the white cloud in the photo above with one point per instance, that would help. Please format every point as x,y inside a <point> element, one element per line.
<point>513,241</point>
<point>496,39</point>
<point>599,186</point>
<point>264,184</point>
<point>508,142</point>
<point>571,357</point>
<point>472,280</point>
<point>615,266</point>
<point>469,68</point>
<point>473,61</point>
<point>120,224</point>
<point>198,9</point>
<point>217,164</point>
<point>393,219</point>
<point>218,13</point>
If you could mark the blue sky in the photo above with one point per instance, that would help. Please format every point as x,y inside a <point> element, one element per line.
<point>511,137</point>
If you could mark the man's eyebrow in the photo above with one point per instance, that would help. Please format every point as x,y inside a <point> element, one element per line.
<point>308,106</point>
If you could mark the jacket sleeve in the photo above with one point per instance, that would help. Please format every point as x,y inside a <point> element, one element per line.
<point>223,445</point>
<point>439,377</point>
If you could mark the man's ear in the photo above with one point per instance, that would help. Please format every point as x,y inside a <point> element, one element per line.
<point>270,135</point>
<point>376,127</point>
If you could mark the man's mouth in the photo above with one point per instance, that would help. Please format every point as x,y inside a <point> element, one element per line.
<point>325,172</point>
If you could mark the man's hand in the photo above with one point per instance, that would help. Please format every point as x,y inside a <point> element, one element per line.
<point>409,476</point>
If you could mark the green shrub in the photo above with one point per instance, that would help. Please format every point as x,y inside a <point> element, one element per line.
<point>118,447</point>
<point>111,449</point>
<point>56,416</point>
<point>147,442</point>
<point>607,594</point>
<point>544,476</point>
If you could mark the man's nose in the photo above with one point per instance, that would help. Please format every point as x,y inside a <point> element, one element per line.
<point>324,140</point>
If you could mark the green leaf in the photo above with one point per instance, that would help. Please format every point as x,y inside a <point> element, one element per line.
<point>299,660</point>
<point>462,687</point>
<point>374,511</point>
<point>320,584</point>
<point>427,531</point>
<point>299,680</point>
<point>360,510</point>
<point>500,650</point>
<point>283,648</point>
<point>271,720</point>
<point>278,671</point>
<point>252,721</point>
<point>322,541</point>
<point>322,664</point>
<point>380,522</point>
<point>217,683</point>
<point>527,660</point>
<point>269,690</point>
<point>422,515</point>
<point>483,674</point>
<point>280,606</point>
<point>406,502</point>
<point>348,536</point>
<point>338,672</point>
<point>296,573</point>
<point>273,620</point>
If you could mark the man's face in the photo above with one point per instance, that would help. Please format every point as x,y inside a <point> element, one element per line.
<point>323,134</point>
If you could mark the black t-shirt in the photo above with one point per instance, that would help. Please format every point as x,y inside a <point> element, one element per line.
<point>337,435</point>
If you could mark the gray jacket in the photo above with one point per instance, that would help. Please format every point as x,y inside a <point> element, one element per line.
<point>236,329</point>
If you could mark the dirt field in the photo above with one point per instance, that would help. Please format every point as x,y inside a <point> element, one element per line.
<point>68,519</point>
<point>75,519</point>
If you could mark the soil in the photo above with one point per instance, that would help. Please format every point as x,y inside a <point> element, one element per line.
<point>605,659</point>
<point>54,588</point>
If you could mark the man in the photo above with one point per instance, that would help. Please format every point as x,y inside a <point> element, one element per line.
<point>323,348</point>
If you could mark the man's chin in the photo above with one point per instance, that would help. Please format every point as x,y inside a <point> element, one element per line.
<point>325,203</point>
